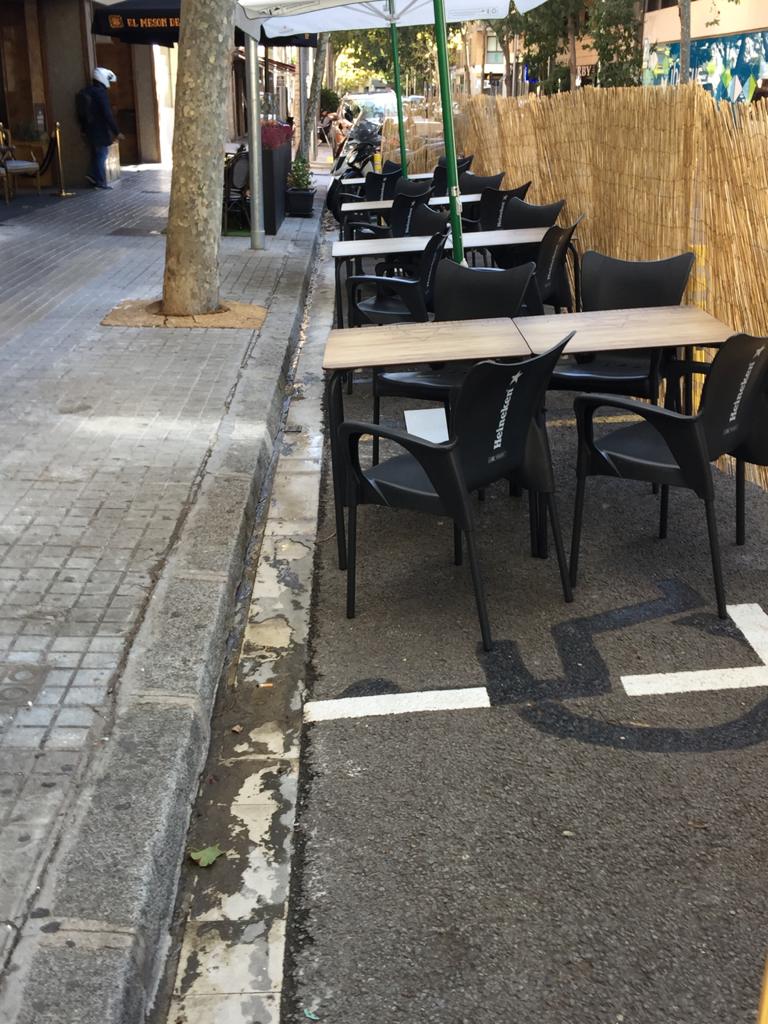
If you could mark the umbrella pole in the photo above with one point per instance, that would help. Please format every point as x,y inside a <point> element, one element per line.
<point>398,92</point>
<point>452,173</point>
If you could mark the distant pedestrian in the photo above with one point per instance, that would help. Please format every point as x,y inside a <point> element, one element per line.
<point>97,123</point>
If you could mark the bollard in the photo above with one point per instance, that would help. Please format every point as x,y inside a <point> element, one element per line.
<point>62,193</point>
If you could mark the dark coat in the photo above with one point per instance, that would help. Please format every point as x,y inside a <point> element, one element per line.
<point>102,128</point>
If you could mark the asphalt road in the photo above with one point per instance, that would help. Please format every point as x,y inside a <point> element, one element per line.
<point>570,854</point>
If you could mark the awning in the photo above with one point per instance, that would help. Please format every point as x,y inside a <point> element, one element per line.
<point>157,21</point>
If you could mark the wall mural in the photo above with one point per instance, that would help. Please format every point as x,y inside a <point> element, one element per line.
<point>730,67</point>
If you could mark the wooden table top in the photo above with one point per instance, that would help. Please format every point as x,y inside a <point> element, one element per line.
<point>416,243</point>
<point>386,204</point>
<point>401,344</point>
<point>421,176</point>
<point>617,329</point>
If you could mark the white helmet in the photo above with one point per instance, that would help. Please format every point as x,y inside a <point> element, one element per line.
<point>104,76</point>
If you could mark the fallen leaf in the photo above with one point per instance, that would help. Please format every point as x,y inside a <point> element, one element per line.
<point>698,824</point>
<point>237,728</point>
<point>567,832</point>
<point>310,1015</point>
<point>204,858</point>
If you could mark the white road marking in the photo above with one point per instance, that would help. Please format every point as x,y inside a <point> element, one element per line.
<point>396,704</point>
<point>753,623</point>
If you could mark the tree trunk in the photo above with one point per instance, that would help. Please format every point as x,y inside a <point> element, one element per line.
<point>465,52</point>
<point>507,72</point>
<point>191,283</point>
<point>685,39</point>
<point>313,101</point>
<point>330,66</point>
<point>572,51</point>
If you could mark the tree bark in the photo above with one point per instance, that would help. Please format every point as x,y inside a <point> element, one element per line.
<point>572,51</point>
<point>191,283</point>
<point>313,100</point>
<point>685,39</point>
<point>507,71</point>
<point>465,53</point>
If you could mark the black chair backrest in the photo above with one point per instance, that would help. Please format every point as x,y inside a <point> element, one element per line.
<point>469,182</point>
<point>381,186</point>
<point>519,214</point>
<point>440,174</point>
<point>390,166</point>
<point>401,214</point>
<point>430,258</point>
<point>426,221</point>
<point>238,172</point>
<point>608,283</point>
<point>469,293</point>
<point>406,187</point>
<point>734,403</point>
<point>336,187</point>
<point>494,412</point>
<point>550,261</point>
<point>492,203</point>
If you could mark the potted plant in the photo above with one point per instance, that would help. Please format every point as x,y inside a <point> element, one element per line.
<point>300,189</point>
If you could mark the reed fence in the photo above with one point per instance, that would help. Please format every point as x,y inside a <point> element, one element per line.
<point>655,171</point>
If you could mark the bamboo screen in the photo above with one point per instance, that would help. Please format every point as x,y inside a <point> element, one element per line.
<point>655,171</point>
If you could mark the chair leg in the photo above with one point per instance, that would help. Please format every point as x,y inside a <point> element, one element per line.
<point>717,569</point>
<point>741,526</point>
<point>515,490</point>
<point>664,512</point>
<point>458,554</point>
<point>533,500</point>
<point>350,378</point>
<point>557,537</point>
<point>351,555</point>
<point>578,516</point>
<point>481,494</point>
<point>482,610</point>
<point>376,415</point>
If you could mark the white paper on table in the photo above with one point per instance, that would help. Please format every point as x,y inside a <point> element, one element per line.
<point>429,424</point>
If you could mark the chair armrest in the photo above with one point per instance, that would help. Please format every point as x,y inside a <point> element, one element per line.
<point>684,435</point>
<point>406,288</point>
<point>368,228</point>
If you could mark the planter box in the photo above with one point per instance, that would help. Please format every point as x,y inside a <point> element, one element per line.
<point>275,165</point>
<point>299,201</point>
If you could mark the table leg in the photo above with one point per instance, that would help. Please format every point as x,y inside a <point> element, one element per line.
<point>688,384</point>
<point>335,407</point>
<point>337,274</point>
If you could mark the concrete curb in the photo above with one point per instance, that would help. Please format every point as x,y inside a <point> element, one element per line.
<point>93,948</point>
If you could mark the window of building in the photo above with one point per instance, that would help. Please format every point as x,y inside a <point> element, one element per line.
<point>493,52</point>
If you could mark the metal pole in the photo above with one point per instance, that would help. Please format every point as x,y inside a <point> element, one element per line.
<point>452,172</point>
<point>62,193</point>
<point>303,140</point>
<point>254,140</point>
<point>398,91</point>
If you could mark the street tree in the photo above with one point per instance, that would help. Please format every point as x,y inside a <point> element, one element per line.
<point>616,30</point>
<point>505,30</point>
<point>684,6</point>
<point>191,282</point>
<point>315,88</point>
<point>551,31</point>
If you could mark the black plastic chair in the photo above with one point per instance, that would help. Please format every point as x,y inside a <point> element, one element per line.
<point>496,434</point>
<point>418,189</point>
<point>519,214</point>
<point>551,276</point>
<point>400,217</point>
<point>440,174</point>
<point>608,283</point>
<point>396,299</point>
<point>236,186</point>
<point>460,293</point>
<point>491,207</point>
<point>381,186</point>
<point>469,182</point>
<point>673,450</point>
<point>390,167</point>
<point>426,220</point>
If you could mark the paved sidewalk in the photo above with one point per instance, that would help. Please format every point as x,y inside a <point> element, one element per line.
<point>108,438</point>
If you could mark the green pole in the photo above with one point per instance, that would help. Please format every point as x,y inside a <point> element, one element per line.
<point>441,41</point>
<point>398,91</point>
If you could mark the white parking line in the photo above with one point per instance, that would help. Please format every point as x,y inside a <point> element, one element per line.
<point>753,623</point>
<point>396,704</point>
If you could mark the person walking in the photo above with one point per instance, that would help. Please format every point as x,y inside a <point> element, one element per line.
<point>97,122</point>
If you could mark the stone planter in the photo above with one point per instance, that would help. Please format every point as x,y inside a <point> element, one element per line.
<point>275,165</point>
<point>298,201</point>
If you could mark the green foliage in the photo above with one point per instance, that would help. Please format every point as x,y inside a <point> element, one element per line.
<point>370,53</point>
<point>329,99</point>
<point>300,176</point>
<point>206,857</point>
<point>546,39</point>
<point>615,29</point>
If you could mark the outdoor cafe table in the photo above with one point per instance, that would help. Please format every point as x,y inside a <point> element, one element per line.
<point>359,248</point>
<point>377,205</point>
<point>421,176</point>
